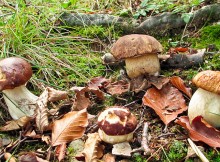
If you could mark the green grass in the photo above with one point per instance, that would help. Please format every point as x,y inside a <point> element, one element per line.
<point>60,58</point>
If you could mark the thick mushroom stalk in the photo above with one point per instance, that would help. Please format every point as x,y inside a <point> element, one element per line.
<point>20,101</point>
<point>146,64</point>
<point>206,104</point>
<point>140,53</point>
<point>116,125</point>
<point>14,73</point>
<point>205,101</point>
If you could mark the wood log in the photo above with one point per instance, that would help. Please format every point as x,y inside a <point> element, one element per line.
<point>165,24</point>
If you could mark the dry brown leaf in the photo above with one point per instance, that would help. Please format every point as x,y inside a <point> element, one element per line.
<point>30,156</point>
<point>167,102</point>
<point>93,150</point>
<point>16,124</point>
<point>56,95</point>
<point>108,158</point>
<point>70,127</point>
<point>179,84</point>
<point>61,151</point>
<point>82,98</point>
<point>200,130</point>
<point>98,83</point>
<point>118,87</point>
<point>158,82</point>
<point>49,95</point>
<point>46,139</point>
<point>9,157</point>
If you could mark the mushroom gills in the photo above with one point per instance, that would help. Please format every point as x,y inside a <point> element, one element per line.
<point>20,101</point>
<point>146,64</point>
<point>206,104</point>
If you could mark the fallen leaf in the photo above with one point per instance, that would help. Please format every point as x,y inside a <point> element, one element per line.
<point>158,82</point>
<point>98,83</point>
<point>82,98</point>
<point>61,151</point>
<point>70,127</point>
<point>49,95</point>
<point>16,124</point>
<point>167,102</point>
<point>122,149</point>
<point>46,139</point>
<point>179,84</point>
<point>56,95</point>
<point>108,158</point>
<point>118,87</point>
<point>200,130</point>
<point>93,149</point>
<point>139,84</point>
<point>30,156</point>
<point>9,157</point>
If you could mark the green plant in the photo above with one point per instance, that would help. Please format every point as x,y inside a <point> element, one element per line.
<point>138,158</point>
<point>148,7</point>
<point>176,151</point>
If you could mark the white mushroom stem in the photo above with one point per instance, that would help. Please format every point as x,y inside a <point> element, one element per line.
<point>20,101</point>
<point>146,64</point>
<point>206,104</point>
<point>116,138</point>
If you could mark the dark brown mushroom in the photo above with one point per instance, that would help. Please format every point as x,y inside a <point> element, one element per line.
<point>14,73</point>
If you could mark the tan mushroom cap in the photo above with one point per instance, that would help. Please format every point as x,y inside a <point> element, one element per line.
<point>208,80</point>
<point>134,45</point>
<point>14,72</point>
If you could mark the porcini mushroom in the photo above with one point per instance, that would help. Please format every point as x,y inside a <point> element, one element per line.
<point>205,101</point>
<point>14,73</point>
<point>116,125</point>
<point>140,54</point>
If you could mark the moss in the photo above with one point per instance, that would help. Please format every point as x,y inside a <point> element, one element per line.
<point>177,151</point>
<point>207,35</point>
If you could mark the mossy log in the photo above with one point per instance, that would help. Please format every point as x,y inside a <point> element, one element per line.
<point>165,24</point>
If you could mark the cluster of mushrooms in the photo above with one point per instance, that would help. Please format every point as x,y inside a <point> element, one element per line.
<point>116,124</point>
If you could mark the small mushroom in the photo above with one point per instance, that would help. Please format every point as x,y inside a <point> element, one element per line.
<point>14,73</point>
<point>140,54</point>
<point>116,125</point>
<point>205,101</point>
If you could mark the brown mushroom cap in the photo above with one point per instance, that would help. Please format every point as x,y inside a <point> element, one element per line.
<point>14,72</point>
<point>208,80</point>
<point>134,45</point>
<point>117,121</point>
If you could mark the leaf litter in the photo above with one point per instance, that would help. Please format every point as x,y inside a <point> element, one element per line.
<point>164,95</point>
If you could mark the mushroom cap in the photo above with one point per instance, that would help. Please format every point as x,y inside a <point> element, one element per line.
<point>14,72</point>
<point>135,45</point>
<point>117,121</point>
<point>208,80</point>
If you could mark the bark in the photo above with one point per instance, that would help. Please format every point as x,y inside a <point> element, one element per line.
<point>165,24</point>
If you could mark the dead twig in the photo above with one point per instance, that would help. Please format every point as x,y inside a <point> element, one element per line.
<point>144,143</point>
<point>16,144</point>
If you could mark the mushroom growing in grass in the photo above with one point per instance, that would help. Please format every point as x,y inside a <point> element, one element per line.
<point>205,101</point>
<point>116,125</point>
<point>14,73</point>
<point>140,54</point>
